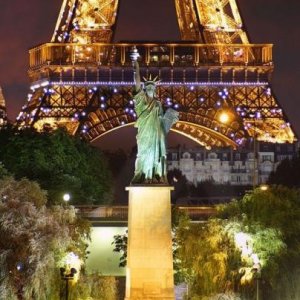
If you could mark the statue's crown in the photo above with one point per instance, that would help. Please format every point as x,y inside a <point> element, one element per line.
<point>149,80</point>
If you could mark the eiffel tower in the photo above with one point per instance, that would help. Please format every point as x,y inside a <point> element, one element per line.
<point>3,117</point>
<point>215,78</point>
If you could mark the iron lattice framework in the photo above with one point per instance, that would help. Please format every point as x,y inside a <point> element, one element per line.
<point>219,83</point>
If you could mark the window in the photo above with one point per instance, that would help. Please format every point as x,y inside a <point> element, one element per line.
<point>266,158</point>
<point>212,156</point>
<point>186,155</point>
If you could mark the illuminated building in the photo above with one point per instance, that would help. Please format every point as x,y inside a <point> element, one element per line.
<point>217,80</point>
<point>225,165</point>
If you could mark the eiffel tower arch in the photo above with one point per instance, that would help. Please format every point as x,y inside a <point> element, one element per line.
<point>216,79</point>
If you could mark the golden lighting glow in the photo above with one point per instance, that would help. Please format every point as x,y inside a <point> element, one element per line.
<point>224,117</point>
<point>71,260</point>
<point>66,197</point>
<point>264,187</point>
<point>244,243</point>
<point>82,40</point>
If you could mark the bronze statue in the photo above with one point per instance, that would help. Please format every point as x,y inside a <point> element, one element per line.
<point>153,125</point>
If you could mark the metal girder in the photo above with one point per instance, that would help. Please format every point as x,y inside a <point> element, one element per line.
<point>210,21</point>
<point>219,83</point>
<point>86,21</point>
<point>187,20</point>
<point>95,111</point>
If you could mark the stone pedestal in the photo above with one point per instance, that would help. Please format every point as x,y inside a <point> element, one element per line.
<point>149,273</point>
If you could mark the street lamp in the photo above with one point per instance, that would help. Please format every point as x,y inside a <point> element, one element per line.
<point>256,270</point>
<point>66,197</point>
<point>264,187</point>
<point>69,271</point>
<point>243,240</point>
<point>67,276</point>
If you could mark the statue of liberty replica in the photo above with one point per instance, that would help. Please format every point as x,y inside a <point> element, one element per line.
<point>153,124</point>
<point>149,270</point>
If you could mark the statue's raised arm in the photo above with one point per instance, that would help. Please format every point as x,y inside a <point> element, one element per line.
<point>153,125</point>
<point>134,55</point>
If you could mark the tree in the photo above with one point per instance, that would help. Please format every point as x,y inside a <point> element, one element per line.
<point>3,171</point>
<point>256,238</point>
<point>33,239</point>
<point>180,183</point>
<point>94,286</point>
<point>122,168</point>
<point>287,173</point>
<point>59,162</point>
<point>272,217</point>
<point>208,256</point>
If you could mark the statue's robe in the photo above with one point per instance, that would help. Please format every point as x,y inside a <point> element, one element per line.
<point>153,126</point>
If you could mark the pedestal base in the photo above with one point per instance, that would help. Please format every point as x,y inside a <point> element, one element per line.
<point>149,273</point>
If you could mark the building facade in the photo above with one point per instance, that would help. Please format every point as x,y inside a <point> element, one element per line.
<point>243,166</point>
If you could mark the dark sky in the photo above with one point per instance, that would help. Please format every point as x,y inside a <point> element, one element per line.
<point>24,24</point>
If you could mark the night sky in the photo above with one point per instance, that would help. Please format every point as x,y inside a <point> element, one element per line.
<point>24,24</point>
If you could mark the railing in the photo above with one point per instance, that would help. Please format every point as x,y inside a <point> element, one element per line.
<point>151,55</point>
<point>103,212</point>
<point>120,213</point>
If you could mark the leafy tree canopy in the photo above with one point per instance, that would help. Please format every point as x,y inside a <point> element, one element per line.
<point>60,163</point>
<point>287,173</point>
<point>3,171</point>
<point>256,238</point>
<point>33,239</point>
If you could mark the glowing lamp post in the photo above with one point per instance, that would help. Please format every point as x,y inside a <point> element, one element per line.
<point>70,271</point>
<point>67,276</point>
<point>66,197</point>
<point>264,187</point>
<point>243,241</point>
<point>256,270</point>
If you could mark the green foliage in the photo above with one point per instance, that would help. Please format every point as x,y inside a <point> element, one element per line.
<point>116,160</point>
<point>94,287</point>
<point>33,239</point>
<point>272,217</point>
<point>210,188</point>
<point>207,254</point>
<point>278,208</point>
<point>59,162</point>
<point>29,190</point>
<point>214,265</point>
<point>120,243</point>
<point>3,171</point>
<point>287,173</point>
<point>266,243</point>
<point>180,183</point>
